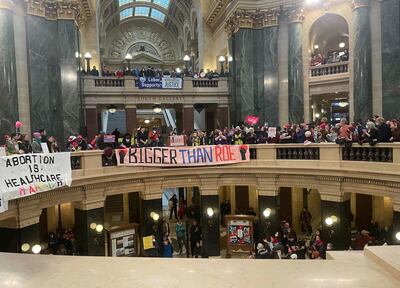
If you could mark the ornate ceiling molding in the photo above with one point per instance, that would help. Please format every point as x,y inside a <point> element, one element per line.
<point>257,19</point>
<point>126,40</point>
<point>296,15</point>
<point>78,10</point>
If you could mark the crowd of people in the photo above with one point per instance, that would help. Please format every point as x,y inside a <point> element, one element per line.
<point>318,59</point>
<point>376,130</point>
<point>154,72</point>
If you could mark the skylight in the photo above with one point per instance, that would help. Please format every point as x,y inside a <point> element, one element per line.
<point>128,12</point>
<point>162,3</point>
<point>124,2</point>
<point>157,15</point>
<point>142,11</point>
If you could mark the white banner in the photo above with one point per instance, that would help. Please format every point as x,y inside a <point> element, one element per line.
<point>28,174</point>
<point>171,83</point>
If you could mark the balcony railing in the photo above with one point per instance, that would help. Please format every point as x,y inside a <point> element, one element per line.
<point>329,69</point>
<point>91,162</point>
<point>129,82</point>
<point>205,83</point>
<point>109,82</point>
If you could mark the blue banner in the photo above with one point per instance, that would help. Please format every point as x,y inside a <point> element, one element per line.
<point>160,83</point>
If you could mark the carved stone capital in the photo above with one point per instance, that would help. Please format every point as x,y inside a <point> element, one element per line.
<point>257,19</point>
<point>78,10</point>
<point>296,15</point>
<point>355,4</point>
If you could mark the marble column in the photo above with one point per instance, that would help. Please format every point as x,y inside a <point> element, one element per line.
<point>92,125</point>
<point>295,60</point>
<point>131,119</point>
<point>233,105</point>
<point>134,207</point>
<point>210,224</point>
<point>54,87</point>
<point>396,222</point>
<point>270,92</point>
<point>362,68</point>
<point>188,118</point>
<point>222,116</point>
<point>89,242</point>
<point>244,74</point>
<point>148,226</point>
<point>268,223</point>
<point>8,79</point>
<point>339,233</point>
<point>390,35</point>
<point>11,239</point>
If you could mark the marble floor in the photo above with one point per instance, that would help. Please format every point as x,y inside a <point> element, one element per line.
<point>346,269</point>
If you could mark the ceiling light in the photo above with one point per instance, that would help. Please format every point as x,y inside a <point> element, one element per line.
<point>157,109</point>
<point>342,44</point>
<point>343,104</point>
<point>210,212</point>
<point>147,121</point>
<point>36,249</point>
<point>186,58</point>
<point>112,109</point>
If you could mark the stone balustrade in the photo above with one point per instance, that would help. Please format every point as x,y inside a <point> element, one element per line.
<point>329,69</point>
<point>359,169</point>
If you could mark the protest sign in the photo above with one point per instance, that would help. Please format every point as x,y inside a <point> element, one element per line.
<point>28,174</point>
<point>183,156</point>
<point>177,140</point>
<point>251,120</point>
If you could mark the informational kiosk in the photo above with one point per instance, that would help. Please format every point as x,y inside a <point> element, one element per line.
<point>123,241</point>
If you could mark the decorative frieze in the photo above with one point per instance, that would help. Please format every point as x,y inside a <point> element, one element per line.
<point>78,10</point>
<point>257,19</point>
<point>355,4</point>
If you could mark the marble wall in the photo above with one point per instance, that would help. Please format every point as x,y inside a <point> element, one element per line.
<point>254,90</point>
<point>295,77</point>
<point>55,101</point>
<point>390,25</point>
<point>8,79</point>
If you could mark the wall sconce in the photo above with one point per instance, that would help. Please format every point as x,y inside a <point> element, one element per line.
<point>342,45</point>
<point>178,70</point>
<point>36,249</point>
<point>267,212</point>
<point>397,236</point>
<point>154,216</point>
<point>210,212</point>
<point>230,59</point>
<point>97,227</point>
<point>329,221</point>
<point>25,247</point>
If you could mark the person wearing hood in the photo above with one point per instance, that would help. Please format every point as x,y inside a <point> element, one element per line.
<point>36,143</point>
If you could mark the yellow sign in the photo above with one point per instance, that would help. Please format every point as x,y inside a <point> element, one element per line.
<point>148,242</point>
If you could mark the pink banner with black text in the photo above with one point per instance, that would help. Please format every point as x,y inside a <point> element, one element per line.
<point>183,156</point>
